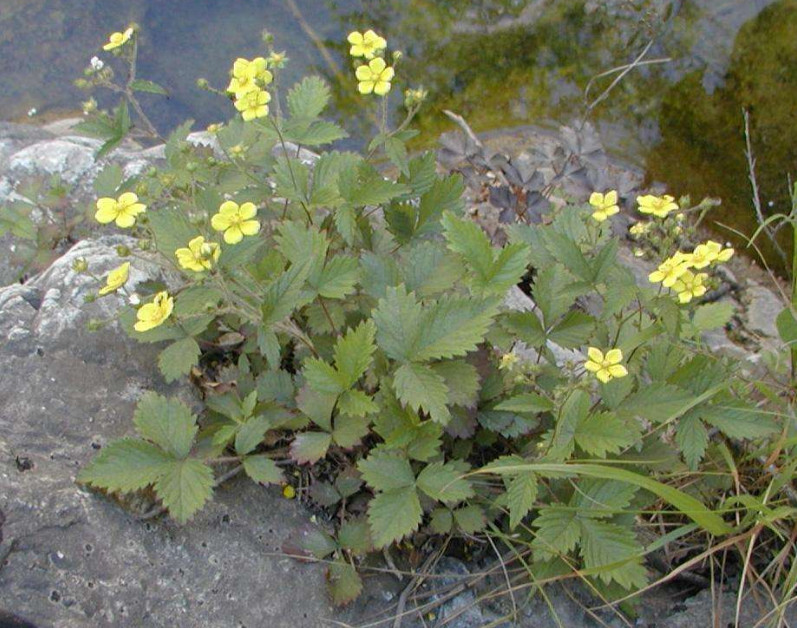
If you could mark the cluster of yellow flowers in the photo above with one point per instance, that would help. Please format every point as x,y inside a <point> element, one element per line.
<point>676,272</point>
<point>374,76</point>
<point>247,85</point>
<point>232,220</point>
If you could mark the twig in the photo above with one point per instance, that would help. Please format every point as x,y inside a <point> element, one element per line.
<point>751,162</point>
<point>414,584</point>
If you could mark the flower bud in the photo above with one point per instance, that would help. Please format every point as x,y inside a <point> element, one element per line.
<point>214,128</point>
<point>397,54</point>
<point>80,265</point>
<point>122,250</point>
<point>81,83</point>
<point>144,244</point>
<point>202,83</point>
<point>191,166</point>
<point>267,38</point>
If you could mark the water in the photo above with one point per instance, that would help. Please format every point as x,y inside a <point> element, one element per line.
<point>497,62</point>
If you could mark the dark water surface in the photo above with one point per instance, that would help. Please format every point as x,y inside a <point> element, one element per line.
<point>497,62</point>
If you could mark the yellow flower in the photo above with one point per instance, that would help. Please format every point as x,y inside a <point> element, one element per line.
<point>253,104</point>
<point>236,222</point>
<point>288,492</point>
<point>606,367</point>
<point>508,360</point>
<point>605,205</point>
<point>670,270</point>
<point>199,255</point>
<point>374,77</point>
<point>115,40</point>
<point>709,252</point>
<point>151,315</point>
<point>690,285</point>
<point>246,75</point>
<point>659,206</point>
<point>640,228</point>
<point>122,210</point>
<point>116,279</point>
<point>365,44</point>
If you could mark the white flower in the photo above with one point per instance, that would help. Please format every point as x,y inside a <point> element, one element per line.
<point>97,64</point>
<point>32,112</point>
<point>134,299</point>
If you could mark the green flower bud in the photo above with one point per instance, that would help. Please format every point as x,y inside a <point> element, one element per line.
<point>191,166</point>
<point>122,250</point>
<point>89,298</point>
<point>80,265</point>
<point>202,83</point>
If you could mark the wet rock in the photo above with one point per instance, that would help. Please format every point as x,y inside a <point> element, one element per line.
<point>762,310</point>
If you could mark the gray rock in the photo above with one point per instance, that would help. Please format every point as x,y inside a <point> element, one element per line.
<point>763,309</point>
<point>70,157</point>
<point>75,558</point>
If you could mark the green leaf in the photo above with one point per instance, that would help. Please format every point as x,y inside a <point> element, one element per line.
<point>364,185</point>
<point>309,447</point>
<point>555,292</point>
<point>526,326</point>
<point>184,487</point>
<point>355,536</point>
<point>251,434</point>
<point>557,532</point>
<point>285,294</point>
<point>354,352</point>
<point>521,493</point>
<point>526,402</point>
<point>323,377</point>
<point>143,85</point>
<point>196,299</point>
<point>692,439</point>
<point>350,430</point>
<point>308,98</point>
<point>573,331</point>
<point>344,583</point>
<point>601,498</point>
<point>384,470</point>
<point>712,315</point>
<point>738,420</point>
<point>339,277</point>
<point>108,180</point>
<point>428,269</point>
<point>470,519</point>
<point>166,422</point>
<point>444,195</point>
<point>393,515</point>
<point>610,552</point>
<point>356,403</point>
<point>419,387</point>
<point>441,521</point>
<point>178,358</point>
<point>396,152</point>
<point>171,228</point>
<point>263,469</point>
<point>444,482</point>
<point>453,327</point>
<point>398,320</point>
<point>125,465</point>
<point>316,133</point>
<point>461,379</point>
<point>658,403</point>
<point>603,432</point>
<point>787,326</point>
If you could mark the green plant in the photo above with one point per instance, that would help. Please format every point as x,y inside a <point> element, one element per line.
<point>355,325</point>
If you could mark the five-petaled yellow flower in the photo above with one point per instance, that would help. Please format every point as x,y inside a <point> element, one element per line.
<point>374,77</point>
<point>235,221</point>
<point>246,74</point>
<point>365,44</point>
<point>605,205</point>
<point>199,255</point>
<point>151,315</point>
<point>122,210</point>
<point>659,206</point>
<point>606,367</point>
<point>508,360</point>
<point>116,279</point>
<point>710,251</point>
<point>115,40</point>
<point>671,269</point>
<point>690,285</point>
<point>253,104</point>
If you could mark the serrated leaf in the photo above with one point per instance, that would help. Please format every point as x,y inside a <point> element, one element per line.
<point>712,316</point>
<point>555,291</point>
<point>738,420</point>
<point>658,402</point>
<point>526,402</point>
<point>385,470</point>
<point>355,536</point>
<point>441,521</point>
<point>343,582</point>
<point>166,422</point>
<point>364,185</point>
<point>178,358</point>
<point>444,195</point>
<point>285,294</point>
<point>184,487</point>
<point>350,430</point>
<point>470,519</point>
<point>339,277</point>
<point>393,515</point>
<point>354,352</point>
<point>418,387</point>
<point>309,447</point>
<point>398,319</point>
<point>521,494</point>
<point>574,330</point>
<point>526,326</point>
<point>787,327</point>
<point>611,553</point>
<point>308,98</point>
<point>143,85</point>
<point>323,377</point>
<point>453,327</point>
<point>251,434</point>
<point>692,439</point>
<point>601,433</point>
<point>444,482</point>
<point>263,469</point>
<point>126,465</point>
<point>462,381</point>
<point>427,269</point>
<point>356,403</point>
<point>396,151</point>
<point>557,532</point>
<point>601,498</point>
<point>315,133</point>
